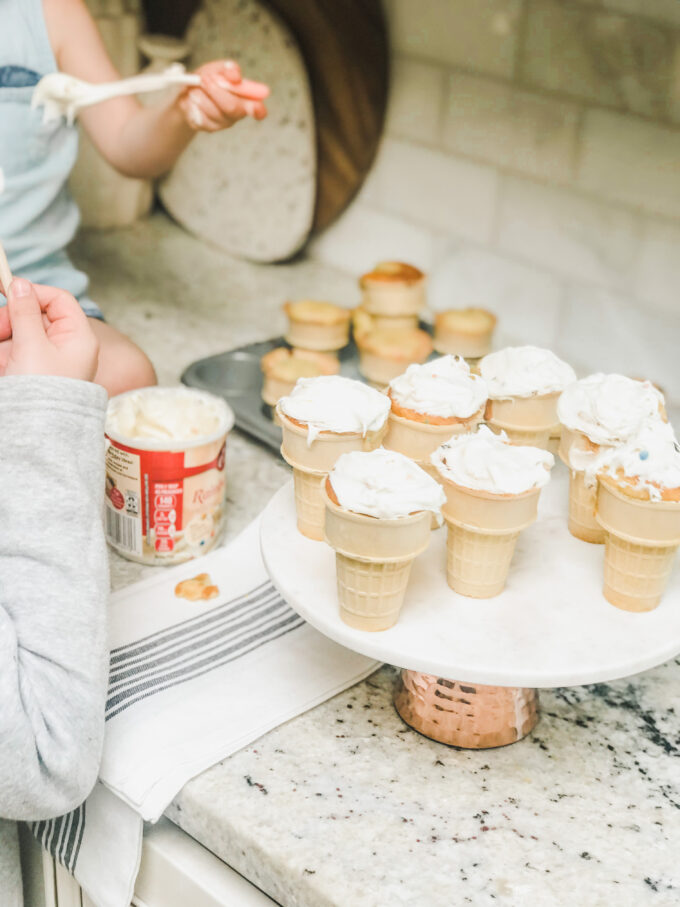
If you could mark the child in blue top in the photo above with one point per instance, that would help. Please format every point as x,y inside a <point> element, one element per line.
<point>38,217</point>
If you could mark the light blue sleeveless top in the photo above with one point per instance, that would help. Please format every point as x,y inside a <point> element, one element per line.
<point>38,217</point>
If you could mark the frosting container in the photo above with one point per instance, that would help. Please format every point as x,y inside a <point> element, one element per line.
<point>165,473</point>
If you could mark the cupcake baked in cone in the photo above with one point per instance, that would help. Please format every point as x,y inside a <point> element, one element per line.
<point>321,419</point>
<point>394,289</point>
<point>638,506</point>
<point>386,353</point>
<point>492,489</point>
<point>282,367</point>
<point>363,322</point>
<point>430,403</point>
<point>379,509</point>
<point>464,332</point>
<point>524,383</point>
<point>314,325</point>
<point>598,413</point>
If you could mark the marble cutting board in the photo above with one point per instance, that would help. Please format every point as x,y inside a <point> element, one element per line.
<point>250,190</point>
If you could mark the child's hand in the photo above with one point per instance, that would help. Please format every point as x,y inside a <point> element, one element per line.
<point>43,331</point>
<point>223,98</point>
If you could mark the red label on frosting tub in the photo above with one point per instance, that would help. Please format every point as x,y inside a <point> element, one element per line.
<point>172,501</point>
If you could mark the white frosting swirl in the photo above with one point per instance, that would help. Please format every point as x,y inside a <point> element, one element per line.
<point>609,409</point>
<point>524,371</point>
<point>443,387</point>
<point>384,484</point>
<point>652,456</point>
<point>488,462</point>
<point>160,413</point>
<point>337,404</point>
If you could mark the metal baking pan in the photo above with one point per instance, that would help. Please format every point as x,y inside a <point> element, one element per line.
<point>237,378</point>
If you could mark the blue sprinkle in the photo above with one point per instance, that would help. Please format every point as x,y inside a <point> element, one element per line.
<point>644,454</point>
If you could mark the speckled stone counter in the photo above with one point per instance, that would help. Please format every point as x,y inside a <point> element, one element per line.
<point>347,806</point>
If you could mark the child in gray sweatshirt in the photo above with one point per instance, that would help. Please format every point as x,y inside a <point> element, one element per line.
<point>53,566</point>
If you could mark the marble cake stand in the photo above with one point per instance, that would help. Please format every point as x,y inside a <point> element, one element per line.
<point>550,627</point>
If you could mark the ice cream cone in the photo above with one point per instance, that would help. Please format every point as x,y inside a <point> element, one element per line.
<point>483,529</point>
<point>311,464</point>
<point>393,289</point>
<point>319,326</point>
<point>642,537</point>
<point>384,355</point>
<point>365,321</point>
<point>526,420</point>
<point>418,439</point>
<point>282,367</point>
<point>373,562</point>
<point>464,332</point>
<point>582,503</point>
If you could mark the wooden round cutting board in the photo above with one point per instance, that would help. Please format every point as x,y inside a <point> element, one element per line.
<point>345,46</point>
<point>250,190</point>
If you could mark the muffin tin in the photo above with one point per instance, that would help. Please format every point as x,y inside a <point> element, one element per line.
<point>237,378</point>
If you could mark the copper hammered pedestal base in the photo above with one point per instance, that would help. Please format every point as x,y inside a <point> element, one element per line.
<point>464,714</point>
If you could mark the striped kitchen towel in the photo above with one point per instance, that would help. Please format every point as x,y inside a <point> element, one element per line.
<point>192,680</point>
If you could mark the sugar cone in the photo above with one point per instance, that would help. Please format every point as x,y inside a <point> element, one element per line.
<point>312,462</point>
<point>483,529</point>
<point>526,420</point>
<point>636,576</point>
<point>477,561</point>
<point>309,502</point>
<point>373,561</point>
<point>642,537</point>
<point>582,502</point>
<point>418,440</point>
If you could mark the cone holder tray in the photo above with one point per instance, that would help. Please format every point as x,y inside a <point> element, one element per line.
<point>472,667</point>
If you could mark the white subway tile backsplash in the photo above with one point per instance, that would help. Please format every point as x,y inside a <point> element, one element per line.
<point>416,98</point>
<point>362,237</point>
<point>601,331</point>
<point>631,161</point>
<point>510,127</point>
<point>657,275</point>
<point>441,191</point>
<point>563,231</point>
<point>662,10</point>
<point>527,301</point>
<point>594,55</point>
<point>475,34</point>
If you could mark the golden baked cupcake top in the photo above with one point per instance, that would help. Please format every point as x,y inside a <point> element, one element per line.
<point>466,321</point>
<point>316,312</point>
<point>391,343</point>
<point>289,365</point>
<point>392,272</point>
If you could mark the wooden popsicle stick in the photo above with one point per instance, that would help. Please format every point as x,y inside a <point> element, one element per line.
<point>5,272</point>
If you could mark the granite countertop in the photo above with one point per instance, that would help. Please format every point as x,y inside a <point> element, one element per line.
<point>346,805</point>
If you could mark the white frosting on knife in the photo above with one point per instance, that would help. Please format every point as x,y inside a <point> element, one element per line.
<point>485,461</point>
<point>609,408</point>
<point>524,371</point>
<point>337,404</point>
<point>443,387</point>
<point>384,484</point>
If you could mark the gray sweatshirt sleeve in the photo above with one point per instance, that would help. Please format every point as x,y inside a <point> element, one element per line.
<point>54,587</point>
